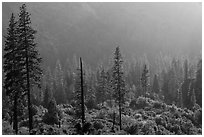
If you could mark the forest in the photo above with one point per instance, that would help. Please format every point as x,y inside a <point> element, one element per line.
<point>121,97</point>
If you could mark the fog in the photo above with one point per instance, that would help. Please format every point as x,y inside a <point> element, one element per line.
<point>93,30</point>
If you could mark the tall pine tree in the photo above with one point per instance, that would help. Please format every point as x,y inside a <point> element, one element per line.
<point>79,94</point>
<point>198,83</point>
<point>101,87</point>
<point>144,79</point>
<point>12,77</point>
<point>59,93</point>
<point>155,87</point>
<point>82,96</point>
<point>118,82</point>
<point>179,101</point>
<point>30,59</point>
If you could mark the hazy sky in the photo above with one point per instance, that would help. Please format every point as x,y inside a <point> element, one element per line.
<point>92,30</point>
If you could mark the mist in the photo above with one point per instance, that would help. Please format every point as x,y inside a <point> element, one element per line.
<point>93,30</point>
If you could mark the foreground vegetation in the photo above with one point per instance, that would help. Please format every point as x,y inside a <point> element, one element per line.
<point>142,116</point>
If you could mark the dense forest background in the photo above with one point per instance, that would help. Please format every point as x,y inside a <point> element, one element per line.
<point>152,50</point>
<point>93,30</point>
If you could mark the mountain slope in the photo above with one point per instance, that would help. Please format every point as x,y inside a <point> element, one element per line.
<point>93,30</point>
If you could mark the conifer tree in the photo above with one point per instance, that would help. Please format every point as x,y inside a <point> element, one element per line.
<point>179,98</point>
<point>198,83</point>
<point>193,98</point>
<point>185,85</point>
<point>82,97</point>
<point>109,87</point>
<point>46,97</point>
<point>59,92</point>
<point>118,82</point>
<point>144,79</point>
<point>79,94</point>
<point>185,69</point>
<point>172,86</point>
<point>90,94</point>
<point>51,117</point>
<point>155,87</point>
<point>30,58</point>
<point>12,77</point>
<point>49,82</point>
<point>101,87</point>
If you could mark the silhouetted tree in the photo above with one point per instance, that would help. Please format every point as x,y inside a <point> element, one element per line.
<point>46,97</point>
<point>193,99</point>
<point>185,69</point>
<point>77,93</point>
<point>30,60</point>
<point>186,86</point>
<point>172,85</point>
<point>144,79</point>
<point>179,98</point>
<point>12,77</point>
<point>155,87</point>
<point>82,97</point>
<point>118,82</point>
<point>101,87</point>
<point>198,83</point>
<point>51,117</point>
<point>90,88</point>
<point>59,92</point>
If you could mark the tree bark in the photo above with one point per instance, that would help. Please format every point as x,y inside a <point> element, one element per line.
<point>15,115</point>
<point>82,98</point>
<point>28,88</point>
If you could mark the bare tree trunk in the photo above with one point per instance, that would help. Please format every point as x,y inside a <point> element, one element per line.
<point>82,98</point>
<point>28,92</point>
<point>120,110</point>
<point>119,101</point>
<point>15,115</point>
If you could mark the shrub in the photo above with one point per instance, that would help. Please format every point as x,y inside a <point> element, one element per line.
<point>120,132</point>
<point>173,108</point>
<point>158,120</point>
<point>34,109</point>
<point>24,131</point>
<point>98,125</point>
<point>137,116</point>
<point>175,128</point>
<point>90,104</point>
<point>6,128</point>
<point>157,105</point>
<point>162,131</point>
<point>24,123</point>
<point>186,126</point>
<point>132,129</point>
<point>198,117</point>
<point>69,111</point>
<point>51,117</point>
<point>44,129</point>
<point>132,104</point>
<point>141,103</point>
<point>148,128</point>
<point>101,114</point>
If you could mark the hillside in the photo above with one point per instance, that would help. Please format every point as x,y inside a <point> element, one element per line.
<point>95,29</point>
